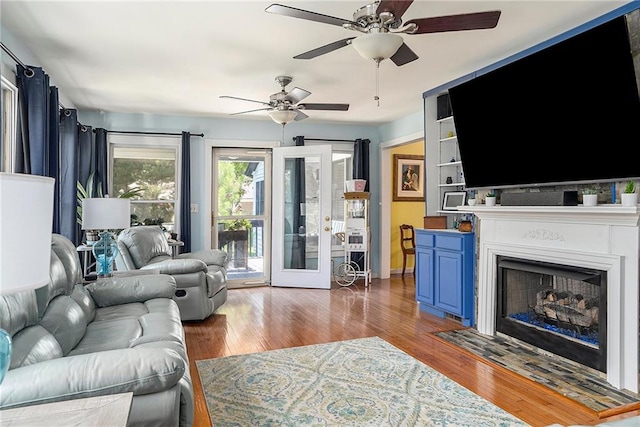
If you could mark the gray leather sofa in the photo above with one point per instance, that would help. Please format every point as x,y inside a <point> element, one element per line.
<point>117,335</point>
<point>201,276</point>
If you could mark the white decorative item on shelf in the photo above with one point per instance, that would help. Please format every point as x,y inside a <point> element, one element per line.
<point>26,218</point>
<point>589,199</point>
<point>355,185</point>
<point>490,199</point>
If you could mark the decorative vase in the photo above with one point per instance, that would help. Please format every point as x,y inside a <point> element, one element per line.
<point>589,199</point>
<point>629,199</point>
<point>490,201</point>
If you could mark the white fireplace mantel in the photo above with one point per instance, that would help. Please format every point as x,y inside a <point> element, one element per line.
<point>603,237</point>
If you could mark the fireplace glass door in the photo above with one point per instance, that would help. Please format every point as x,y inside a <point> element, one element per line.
<point>558,308</point>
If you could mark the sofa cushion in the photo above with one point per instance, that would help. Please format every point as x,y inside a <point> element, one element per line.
<point>109,335</point>
<point>81,296</point>
<point>66,321</point>
<point>33,345</point>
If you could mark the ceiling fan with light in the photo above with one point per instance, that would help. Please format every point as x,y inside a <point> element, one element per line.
<point>284,107</point>
<point>380,22</point>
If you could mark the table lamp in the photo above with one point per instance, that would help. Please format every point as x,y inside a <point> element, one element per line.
<point>105,214</point>
<point>26,218</point>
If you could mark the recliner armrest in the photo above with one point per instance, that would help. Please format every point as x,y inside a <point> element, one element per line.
<point>124,290</point>
<point>209,257</point>
<point>177,266</point>
<point>137,370</point>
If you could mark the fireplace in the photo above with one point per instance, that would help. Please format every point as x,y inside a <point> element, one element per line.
<point>603,239</point>
<point>558,308</point>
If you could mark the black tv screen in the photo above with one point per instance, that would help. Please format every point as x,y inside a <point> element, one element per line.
<point>567,114</point>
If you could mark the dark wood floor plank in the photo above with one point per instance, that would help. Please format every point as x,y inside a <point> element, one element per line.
<point>262,318</point>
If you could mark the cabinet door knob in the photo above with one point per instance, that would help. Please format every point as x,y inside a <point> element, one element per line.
<point>327,218</point>
<point>327,229</point>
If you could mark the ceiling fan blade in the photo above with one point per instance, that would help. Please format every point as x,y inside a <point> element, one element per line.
<point>465,21</point>
<point>325,107</point>
<point>398,8</point>
<point>245,99</point>
<point>404,55</point>
<point>300,116</point>
<point>324,49</point>
<point>251,111</point>
<point>296,95</point>
<point>281,9</point>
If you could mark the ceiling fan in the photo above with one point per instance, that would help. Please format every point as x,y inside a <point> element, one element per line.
<point>283,107</point>
<point>380,22</point>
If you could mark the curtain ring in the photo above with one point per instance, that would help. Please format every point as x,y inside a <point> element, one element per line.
<point>29,72</point>
<point>83,128</point>
<point>67,113</point>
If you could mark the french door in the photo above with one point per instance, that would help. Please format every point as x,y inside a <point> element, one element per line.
<point>302,217</point>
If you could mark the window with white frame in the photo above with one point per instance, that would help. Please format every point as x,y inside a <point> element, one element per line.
<point>9,121</point>
<point>151,174</point>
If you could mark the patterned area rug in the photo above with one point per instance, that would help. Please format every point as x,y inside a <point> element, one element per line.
<point>361,382</point>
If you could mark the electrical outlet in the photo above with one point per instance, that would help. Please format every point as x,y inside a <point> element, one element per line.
<point>194,208</point>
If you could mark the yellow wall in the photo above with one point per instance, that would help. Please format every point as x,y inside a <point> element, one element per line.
<point>404,212</point>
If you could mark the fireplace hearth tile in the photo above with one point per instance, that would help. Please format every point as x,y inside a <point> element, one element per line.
<point>582,384</point>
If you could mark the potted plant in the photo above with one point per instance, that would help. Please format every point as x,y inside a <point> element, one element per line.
<point>490,199</point>
<point>589,197</point>
<point>629,195</point>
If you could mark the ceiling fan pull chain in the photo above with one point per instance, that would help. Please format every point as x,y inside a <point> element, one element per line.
<point>376,97</point>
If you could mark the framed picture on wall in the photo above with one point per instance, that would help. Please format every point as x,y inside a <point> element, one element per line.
<point>453,199</point>
<point>408,178</point>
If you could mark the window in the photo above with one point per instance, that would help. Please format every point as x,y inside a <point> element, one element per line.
<point>152,173</point>
<point>9,121</point>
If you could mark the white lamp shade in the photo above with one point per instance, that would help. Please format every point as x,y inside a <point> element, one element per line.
<point>106,213</point>
<point>26,218</point>
<point>282,116</point>
<point>377,45</point>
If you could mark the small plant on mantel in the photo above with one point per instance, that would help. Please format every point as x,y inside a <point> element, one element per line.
<point>630,188</point>
<point>589,191</point>
<point>491,195</point>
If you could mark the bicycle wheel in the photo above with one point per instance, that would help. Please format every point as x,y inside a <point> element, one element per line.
<point>344,274</point>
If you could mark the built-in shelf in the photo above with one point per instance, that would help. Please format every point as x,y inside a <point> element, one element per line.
<point>458,163</point>
<point>453,184</point>
<point>449,139</point>
<point>446,119</point>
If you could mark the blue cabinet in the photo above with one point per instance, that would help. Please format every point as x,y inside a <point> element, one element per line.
<point>445,273</point>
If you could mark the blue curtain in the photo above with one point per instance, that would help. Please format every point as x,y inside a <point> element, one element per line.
<point>33,111</point>
<point>101,172</point>
<point>185,193</point>
<point>53,168</point>
<point>361,160</point>
<point>68,175</point>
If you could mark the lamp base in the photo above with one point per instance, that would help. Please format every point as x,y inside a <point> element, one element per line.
<point>105,251</point>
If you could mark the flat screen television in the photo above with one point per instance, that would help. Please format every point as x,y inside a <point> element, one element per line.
<point>569,113</point>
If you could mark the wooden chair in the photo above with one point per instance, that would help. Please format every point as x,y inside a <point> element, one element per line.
<point>408,244</point>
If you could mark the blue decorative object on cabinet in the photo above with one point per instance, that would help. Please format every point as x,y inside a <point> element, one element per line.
<point>445,273</point>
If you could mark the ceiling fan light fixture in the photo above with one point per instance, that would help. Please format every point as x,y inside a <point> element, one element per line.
<point>282,117</point>
<point>377,46</point>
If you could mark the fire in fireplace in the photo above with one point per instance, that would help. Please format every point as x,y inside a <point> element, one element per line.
<point>557,308</point>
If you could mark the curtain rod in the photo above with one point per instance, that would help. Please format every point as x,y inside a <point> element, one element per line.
<point>29,72</point>
<point>152,133</point>
<point>329,140</point>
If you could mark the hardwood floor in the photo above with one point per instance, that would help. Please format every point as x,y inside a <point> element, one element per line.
<point>265,318</point>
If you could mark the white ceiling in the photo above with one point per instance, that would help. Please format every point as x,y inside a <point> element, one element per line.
<point>178,57</point>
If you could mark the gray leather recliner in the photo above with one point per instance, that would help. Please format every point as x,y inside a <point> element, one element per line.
<point>201,276</point>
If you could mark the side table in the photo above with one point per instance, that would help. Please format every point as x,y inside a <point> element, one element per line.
<point>175,246</point>
<point>112,410</point>
<point>87,256</point>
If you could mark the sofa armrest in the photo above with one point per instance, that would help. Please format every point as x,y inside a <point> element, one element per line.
<point>137,370</point>
<point>177,266</point>
<point>125,290</point>
<point>209,257</point>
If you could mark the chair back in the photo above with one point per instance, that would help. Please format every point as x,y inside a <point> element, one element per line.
<point>407,237</point>
<point>142,245</point>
